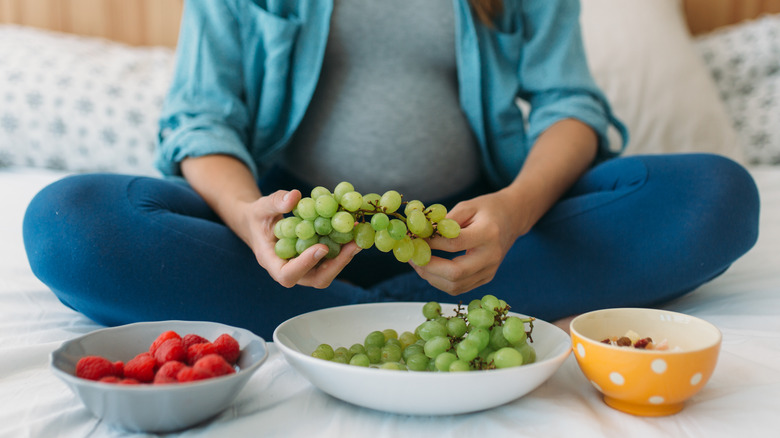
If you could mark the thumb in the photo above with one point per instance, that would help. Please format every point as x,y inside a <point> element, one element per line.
<point>283,201</point>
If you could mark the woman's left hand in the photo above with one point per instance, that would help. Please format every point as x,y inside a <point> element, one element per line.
<point>488,230</point>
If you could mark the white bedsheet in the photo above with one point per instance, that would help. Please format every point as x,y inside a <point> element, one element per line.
<point>740,400</point>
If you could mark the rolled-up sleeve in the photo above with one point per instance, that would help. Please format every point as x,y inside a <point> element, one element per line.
<point>204,112</point>
<point>555,78</point>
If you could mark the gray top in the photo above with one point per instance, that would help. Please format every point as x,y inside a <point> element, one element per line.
<point>385,114</point>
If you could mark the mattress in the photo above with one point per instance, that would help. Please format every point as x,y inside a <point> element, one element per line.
<point>739,400</point>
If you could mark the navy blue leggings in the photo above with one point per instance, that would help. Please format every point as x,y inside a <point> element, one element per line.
<point>635,231</point>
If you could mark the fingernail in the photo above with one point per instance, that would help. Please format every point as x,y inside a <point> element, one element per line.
<point>286,196</point>
<point>320,253</point>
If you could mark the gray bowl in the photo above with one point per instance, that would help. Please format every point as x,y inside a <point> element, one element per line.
<point>155,408</point>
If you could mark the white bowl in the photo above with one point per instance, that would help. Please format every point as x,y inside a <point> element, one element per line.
<point>155,408</point>
<point>409,392</point>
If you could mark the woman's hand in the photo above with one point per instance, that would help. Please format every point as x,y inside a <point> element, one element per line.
<point>491,223</point>
<point>310,268</point>
<point>229,188</point>
<point>487,233</point>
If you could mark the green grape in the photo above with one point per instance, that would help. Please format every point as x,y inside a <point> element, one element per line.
<point>412,206</point>
<point>319,191</point>
<point>417,362</point>
<point>374,339</point>
<point>322,226</point>
<point>370,201</point>
<point>342,188</point>
<point>333,248</point>
<point>436,212</point>
<point>288,226</point>
<point>448,228</point>
<point>305,229</point>
<point>467,349</point>
<point>407,338</point>
<point>357,349</point>
<point>306,209</point>
<point>528,352</point>
<point>482,336</point>
<point>490,302</point>
<point>431,329</point>
<point>480,318</point>
<point>391,353</point>
<point>427,230</point>
<point>390,334</point>
<point>514,330</point>
<point>390,201</point>
<point>459,365</point>
<point>342,351</point>
<point>285,248</point>
<point>364,235</point>
<point>326,205</point>
<point>497,339</point>
<point>383,241</point>
<point>374,353</point>
<point>422,252</point>
<point>456,327</point>
<point>411,350</point>
<point>436,346</point>
<point>444,360</point>
<point>380,221</point>
<point>323,351</point>
<point>278,229</point>
<point>340,359</point>
<point>343,222</point>
<point>341,238</point>
<point>416,221</point>
<point>351,201</point>
<point>302,245</point>
<point>474,304</point>
<point>397,229</point>
<point>431,310</point>
<point>360,360</point>
<point>395,366</point>
<point>403,249</point>
<point>507,357</point>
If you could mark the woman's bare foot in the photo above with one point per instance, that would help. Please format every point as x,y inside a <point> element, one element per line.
<point>563,323</point>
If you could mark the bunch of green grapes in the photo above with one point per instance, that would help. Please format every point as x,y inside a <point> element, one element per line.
<point>481,338</point>
<point>337,218</point>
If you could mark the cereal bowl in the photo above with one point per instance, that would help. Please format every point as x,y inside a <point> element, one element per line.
<point>645,382</point>
<point>409,392</point>
<point>155,408</point>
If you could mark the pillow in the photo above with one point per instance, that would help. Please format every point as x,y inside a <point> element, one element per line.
<point>643,57</point>
<point>78,103</point>
<point>744,60</point>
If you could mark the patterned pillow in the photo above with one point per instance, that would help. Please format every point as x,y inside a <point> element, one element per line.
<point>744,60</point>
<point>79,104</point>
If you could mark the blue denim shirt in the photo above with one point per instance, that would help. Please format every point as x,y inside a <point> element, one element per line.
<point>246,72</point>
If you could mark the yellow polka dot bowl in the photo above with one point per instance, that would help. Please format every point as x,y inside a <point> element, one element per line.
<point>645,382</point>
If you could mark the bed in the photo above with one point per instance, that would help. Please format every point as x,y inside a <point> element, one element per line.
<point>79,91</point>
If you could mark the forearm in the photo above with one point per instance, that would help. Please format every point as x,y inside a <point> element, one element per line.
<point>559,158</point>
<point>225,183</point>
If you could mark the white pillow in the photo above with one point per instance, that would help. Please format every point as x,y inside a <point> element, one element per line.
<point>78,103</point>
<point>642,55</point>
<point>744,60</point>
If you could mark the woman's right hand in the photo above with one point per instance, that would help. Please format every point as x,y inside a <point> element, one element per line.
<point>229,188</point>
<point>310,268</point>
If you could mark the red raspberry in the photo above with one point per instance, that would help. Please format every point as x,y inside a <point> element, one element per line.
<point>214,364</point>
<point>110,379</point>
<point>191,374</point>
<point>141,368</point>
<point>228,347</point>
<point>119,368</point>
<point>128,382</point>
<point>192,339</point>
<point>171,349</point>
<point>164,336</point>
<point>94,368</point>
<point>197,351</point>
<point>167,373</point>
